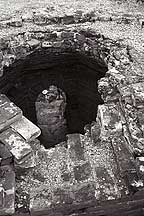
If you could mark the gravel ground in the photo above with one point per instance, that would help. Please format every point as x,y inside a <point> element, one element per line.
<point>131,33</point>
<point>9,7</point>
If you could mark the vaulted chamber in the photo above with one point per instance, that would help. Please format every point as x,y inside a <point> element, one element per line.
<point>74,73</point>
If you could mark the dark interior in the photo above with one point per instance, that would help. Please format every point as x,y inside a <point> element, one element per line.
<point>74,73</point>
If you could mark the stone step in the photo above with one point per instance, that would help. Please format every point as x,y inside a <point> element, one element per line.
<point>9,112</point>
<point>75,148</point>
<point>7,190</point>
<point>78,160</point>
<point>125,161</point>
<point>26,129</point>
<point>109,185</point>
<point>17,145</point>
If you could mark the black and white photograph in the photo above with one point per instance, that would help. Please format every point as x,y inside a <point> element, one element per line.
<point>71,107</point>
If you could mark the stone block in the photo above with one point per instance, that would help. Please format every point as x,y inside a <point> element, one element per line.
<point>5,155</point>
<point>110,119</point>
<point>95,131</point>
<point>106,185</point>
<point>18,147</point>
<point>108,181</point>
<point>75,148</point>
<point>33,43</point>
<point>29,161</point>
<point>7,190</point>
<point>124,157</point>
<point>9,112</point>
<point>26,129</point>
<point>73,194</point>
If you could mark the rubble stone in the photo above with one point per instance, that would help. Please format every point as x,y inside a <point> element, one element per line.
<point>15,143</point>
<point>26,129</point>
<point>9,112</point>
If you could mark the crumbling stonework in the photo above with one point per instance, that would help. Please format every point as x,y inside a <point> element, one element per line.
<point>15,150</point>
<point>50,111</point>
<point>97,173</point>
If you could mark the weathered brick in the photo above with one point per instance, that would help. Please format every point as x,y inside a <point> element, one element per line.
<point>28,161</point>
<point>26,129</point>
<point>15,143</point>
<point>9,112</point>
<point>7,180</point>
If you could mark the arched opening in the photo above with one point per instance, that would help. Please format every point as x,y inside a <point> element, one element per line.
<point>74,73</point>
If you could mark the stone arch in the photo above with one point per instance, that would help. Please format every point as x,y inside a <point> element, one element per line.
<point>81,49</point>
<point>42,49</point>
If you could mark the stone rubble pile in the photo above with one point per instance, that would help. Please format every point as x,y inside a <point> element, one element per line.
<point>16,133</point>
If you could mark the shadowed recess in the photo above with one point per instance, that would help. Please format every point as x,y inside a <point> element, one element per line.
<point>74,73</point>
